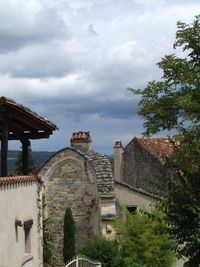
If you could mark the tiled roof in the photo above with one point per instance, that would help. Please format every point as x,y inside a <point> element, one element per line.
<point>138,190</point>
<point>102,167</point>
<point>6,101</point>
<point>81,137</point>
<point>157,147</point>
<point>17,179</point>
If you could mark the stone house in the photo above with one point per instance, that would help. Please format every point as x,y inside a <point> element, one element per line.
<point>141,174</point>
<point>20,224</point>
<point>79,178</point>
<point>141,164</point>
<point>82,179</point>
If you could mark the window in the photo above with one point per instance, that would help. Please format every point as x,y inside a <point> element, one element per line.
<point>27,232</point>
<point>131,209</point>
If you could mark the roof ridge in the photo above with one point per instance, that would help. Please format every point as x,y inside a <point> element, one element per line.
<point>8,100</point>
<point>149,147</point>
<point>17,179</point>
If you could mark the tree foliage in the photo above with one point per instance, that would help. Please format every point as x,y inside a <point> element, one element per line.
<point>183,209</point>
<point>69,236</point>
<point>174,103</point>
<point>144,239</point>
<point>32,166</point>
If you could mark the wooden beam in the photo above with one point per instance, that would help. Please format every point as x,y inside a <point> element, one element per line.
<point>4,144</point>
<point>25,155</point>
<point>30,122</point>
<point>16,136</point>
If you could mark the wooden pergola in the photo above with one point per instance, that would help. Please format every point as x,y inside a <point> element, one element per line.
<point>20,123</point>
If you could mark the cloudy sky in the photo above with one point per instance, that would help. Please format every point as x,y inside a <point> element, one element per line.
<point>72,60</point>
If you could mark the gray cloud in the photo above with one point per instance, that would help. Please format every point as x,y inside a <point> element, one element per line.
<point>71,61</point>
<point>28,22</point>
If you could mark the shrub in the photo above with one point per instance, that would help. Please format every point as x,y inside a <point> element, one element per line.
<point>69,236</point>
<point>138,264</point>
<point>144,239</point>
<point>102,250</point>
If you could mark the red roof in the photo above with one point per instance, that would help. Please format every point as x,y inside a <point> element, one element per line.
<point>157,147</point>
<point>17,179</point>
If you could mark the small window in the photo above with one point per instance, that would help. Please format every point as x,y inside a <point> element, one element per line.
<point>27,232</point>
<point>131,209</point>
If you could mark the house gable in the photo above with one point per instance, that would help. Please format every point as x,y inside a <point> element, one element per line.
<point>143,166</point>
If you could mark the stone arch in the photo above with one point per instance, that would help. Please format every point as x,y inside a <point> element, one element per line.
<point>70,181</point>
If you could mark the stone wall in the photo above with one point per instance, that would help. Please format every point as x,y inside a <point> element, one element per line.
<point>142,170</point>
<point>70,181</point>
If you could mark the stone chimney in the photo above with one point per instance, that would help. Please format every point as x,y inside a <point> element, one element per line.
<point>118,160</point>
<point>81,140</point>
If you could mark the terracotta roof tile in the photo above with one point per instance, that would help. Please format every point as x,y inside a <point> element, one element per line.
<point>157,147</point>
<point>17,179</point>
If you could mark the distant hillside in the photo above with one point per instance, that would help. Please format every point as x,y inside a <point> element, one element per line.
<point>39,157</point>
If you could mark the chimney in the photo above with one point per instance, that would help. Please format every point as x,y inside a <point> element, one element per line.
<point>81,140</point>
<point>118,160</point>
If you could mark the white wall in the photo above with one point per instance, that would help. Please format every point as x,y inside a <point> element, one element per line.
<point>127,196</point>
<point>18,201</point>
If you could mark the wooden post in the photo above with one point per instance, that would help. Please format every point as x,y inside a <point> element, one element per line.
<point>4,144</point>
<point>25,155</point>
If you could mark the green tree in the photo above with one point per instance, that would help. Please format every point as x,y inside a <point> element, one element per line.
<point>183,208</point>
<point>144,239</point>
<point>174,103</point>
<point>48,242</point>
<point>104,251</point>
<point>32,166</point>
<point>69,236</point>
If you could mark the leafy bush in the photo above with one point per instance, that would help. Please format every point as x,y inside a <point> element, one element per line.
<point>69,236</point>
<point>104,251</point>
<point>138,264</point>
<point>144,239</point>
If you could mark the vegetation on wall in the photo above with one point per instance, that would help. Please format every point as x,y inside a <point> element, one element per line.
<point>69,236</point>
<point>174,103</point>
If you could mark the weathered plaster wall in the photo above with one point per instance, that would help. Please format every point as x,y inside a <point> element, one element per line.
<point>141,170</point>
<point>180,262</point>
<point>18,201</point>
<point>70,181</point>
<point>127,196</point>
<point>108,214</point>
